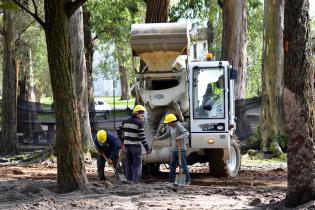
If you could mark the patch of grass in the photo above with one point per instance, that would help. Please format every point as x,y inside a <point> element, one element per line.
<point>118,103</point>
<point>253,157</point>
<point>47,101</point>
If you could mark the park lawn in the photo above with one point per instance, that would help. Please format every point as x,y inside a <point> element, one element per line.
<point>121,104</point>
<point>118,103</point>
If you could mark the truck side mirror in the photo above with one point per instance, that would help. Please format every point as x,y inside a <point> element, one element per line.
<point>233,73</point>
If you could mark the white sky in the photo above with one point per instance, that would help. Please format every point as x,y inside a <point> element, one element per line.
<point>312,8</point>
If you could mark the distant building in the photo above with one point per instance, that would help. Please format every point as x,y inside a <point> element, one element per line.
<point>103,87</point>
<point>199,45</point>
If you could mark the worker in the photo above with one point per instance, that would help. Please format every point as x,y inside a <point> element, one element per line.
<point>131,132</point>
<point>107,146</point>
<point>214,96</point>
<point>177,133</point>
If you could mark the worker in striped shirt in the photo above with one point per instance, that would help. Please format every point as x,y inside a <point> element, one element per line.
<point>131,132</point>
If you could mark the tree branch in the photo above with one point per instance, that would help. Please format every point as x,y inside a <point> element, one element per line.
<point>24,29</point>
<point>71,7</point>
<point>35,7</point>
<point>34,15</point>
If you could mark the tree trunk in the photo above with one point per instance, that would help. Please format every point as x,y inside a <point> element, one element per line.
<point>299,104</point>
<point>272,89</point>
<point>210,36</point>
<point>123,71</point>
<point>9,85</point>
<point>89,57</point>
<point>79,68</point>
<point>234,40</point>
<point>71,169</point>
<point>157,11</point>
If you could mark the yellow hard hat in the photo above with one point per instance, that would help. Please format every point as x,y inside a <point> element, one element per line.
<point>138,108</point>
<point>170,118</point>
<point>101,136</point>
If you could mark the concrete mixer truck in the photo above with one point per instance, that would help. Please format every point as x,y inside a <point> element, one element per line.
<point>169,83</point>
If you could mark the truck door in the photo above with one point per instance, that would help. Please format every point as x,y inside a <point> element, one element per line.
<point>208,97</point>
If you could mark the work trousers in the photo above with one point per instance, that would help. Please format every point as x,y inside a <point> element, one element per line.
<point>101,165</point>
<point>173,164</point>
<point>133,162</point>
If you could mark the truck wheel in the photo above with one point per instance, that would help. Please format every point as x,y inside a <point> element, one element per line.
<point>220,168</point>
<point>234,163</point>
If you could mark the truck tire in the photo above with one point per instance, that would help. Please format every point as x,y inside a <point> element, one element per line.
<point>220,168</point>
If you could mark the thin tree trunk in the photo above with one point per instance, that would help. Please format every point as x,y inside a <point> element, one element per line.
<point>234,40</point>
<point>272,77</point>
<point>9,85</point>
<point>71,168</point>
<point>89,51</point>
<point>79,65</point>
<point>299,103</point>
<point>123,72</point>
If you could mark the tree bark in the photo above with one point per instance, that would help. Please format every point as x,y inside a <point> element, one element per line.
<point>79,68</point>
<point>71,170</point>
<point>9,85</point>
<point>272,89</point>
<point>234,40</point>
<point>299,103</point>
<point>157,11</point>
<point>89,51</point>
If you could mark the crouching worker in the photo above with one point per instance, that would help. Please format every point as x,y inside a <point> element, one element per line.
<point>177,133</point>
<point>107,146</point>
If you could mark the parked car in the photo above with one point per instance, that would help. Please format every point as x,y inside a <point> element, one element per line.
<point>102,106</point>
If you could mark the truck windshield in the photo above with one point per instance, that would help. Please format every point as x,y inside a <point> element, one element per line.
<point>208,93</point>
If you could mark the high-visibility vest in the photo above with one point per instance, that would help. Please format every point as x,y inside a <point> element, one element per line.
<point>215,89</point>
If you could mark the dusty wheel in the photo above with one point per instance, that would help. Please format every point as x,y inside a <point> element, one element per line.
<point>220,168</point>
<point>234,163</point>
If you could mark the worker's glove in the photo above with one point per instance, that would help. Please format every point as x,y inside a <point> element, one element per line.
<point>110,162</point>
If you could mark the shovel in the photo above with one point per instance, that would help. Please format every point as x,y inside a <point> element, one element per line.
<point>121,176</point>
<point>180,179</point>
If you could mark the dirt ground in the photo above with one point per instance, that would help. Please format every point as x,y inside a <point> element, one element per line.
<point>33,186</point>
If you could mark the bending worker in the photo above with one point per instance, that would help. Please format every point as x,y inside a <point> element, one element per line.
<point>131,132</point>
<point>107,146</point>
<point>176,131</point>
